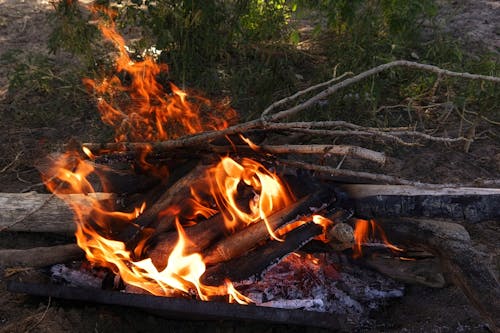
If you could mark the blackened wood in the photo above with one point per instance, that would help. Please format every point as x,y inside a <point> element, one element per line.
<point>461,203</point>
<point>40,256</point>
<point>244,240</point>
<point>451,242</point>
<point>259,260</point>
<point>179,308</point>
<point>178,191</point>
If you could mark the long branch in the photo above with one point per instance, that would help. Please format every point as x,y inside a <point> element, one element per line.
<point>398,63</point>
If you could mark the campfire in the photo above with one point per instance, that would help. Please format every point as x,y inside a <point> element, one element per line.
<point>187,204</point>
<point>194,231</point>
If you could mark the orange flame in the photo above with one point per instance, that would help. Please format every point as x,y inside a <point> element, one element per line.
<point>365,231</point>
<point>183,270</point>
<point>141,109</point>
<point>229,178</point>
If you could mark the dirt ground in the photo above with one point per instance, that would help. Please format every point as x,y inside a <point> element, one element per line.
<point>23,26</point>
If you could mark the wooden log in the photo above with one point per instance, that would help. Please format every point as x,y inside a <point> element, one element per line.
<point>36,212</point>
<point>40,256</point>
<point>239,243</point>
<point>257,261</point>
<point>451,242</point>
<point>458,203</point>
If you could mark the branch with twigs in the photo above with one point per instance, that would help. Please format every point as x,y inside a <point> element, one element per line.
<point>271,120</point>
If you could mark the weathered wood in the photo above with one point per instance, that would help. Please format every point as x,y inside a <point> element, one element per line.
<point>36,212</point>
<point>459,203</point>
<point>40,256</point>
<point>239,243</point>
<point>451,242</point>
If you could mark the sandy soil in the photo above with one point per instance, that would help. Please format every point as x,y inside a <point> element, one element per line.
<point>23,27</point>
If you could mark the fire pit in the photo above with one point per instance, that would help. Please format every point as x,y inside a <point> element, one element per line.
<point>184,223</point>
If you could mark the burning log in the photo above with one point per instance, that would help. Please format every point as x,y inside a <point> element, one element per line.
<point>239,243</point>
<point>458,203</point>
<point>151,218</point>
<point>201,236</point>
<point>36,212</point>
<point>40,256</point>
<point>451,242</point>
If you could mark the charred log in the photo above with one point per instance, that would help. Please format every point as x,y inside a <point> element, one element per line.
<point>458,203</point>
<point>183,308</point>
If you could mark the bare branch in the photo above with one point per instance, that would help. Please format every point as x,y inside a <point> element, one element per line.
<point>398,63</point>
<point>342,150</point>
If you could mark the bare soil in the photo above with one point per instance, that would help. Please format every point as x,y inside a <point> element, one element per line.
<point>23,28</point>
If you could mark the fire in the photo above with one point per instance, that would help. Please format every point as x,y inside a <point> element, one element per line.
<point>139,108</point>
<point>183,270</point>
<point>243,192</point>
<point>365,231</point>
<point>264,192</point>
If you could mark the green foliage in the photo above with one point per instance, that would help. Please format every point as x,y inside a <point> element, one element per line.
<point>43,94</point>
<point>71,30</point>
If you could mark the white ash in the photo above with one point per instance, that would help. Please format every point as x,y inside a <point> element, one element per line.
<point>320,283</point>
<point>60,273</point>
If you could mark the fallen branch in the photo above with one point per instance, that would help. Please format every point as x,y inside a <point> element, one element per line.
<point>343,150</point>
